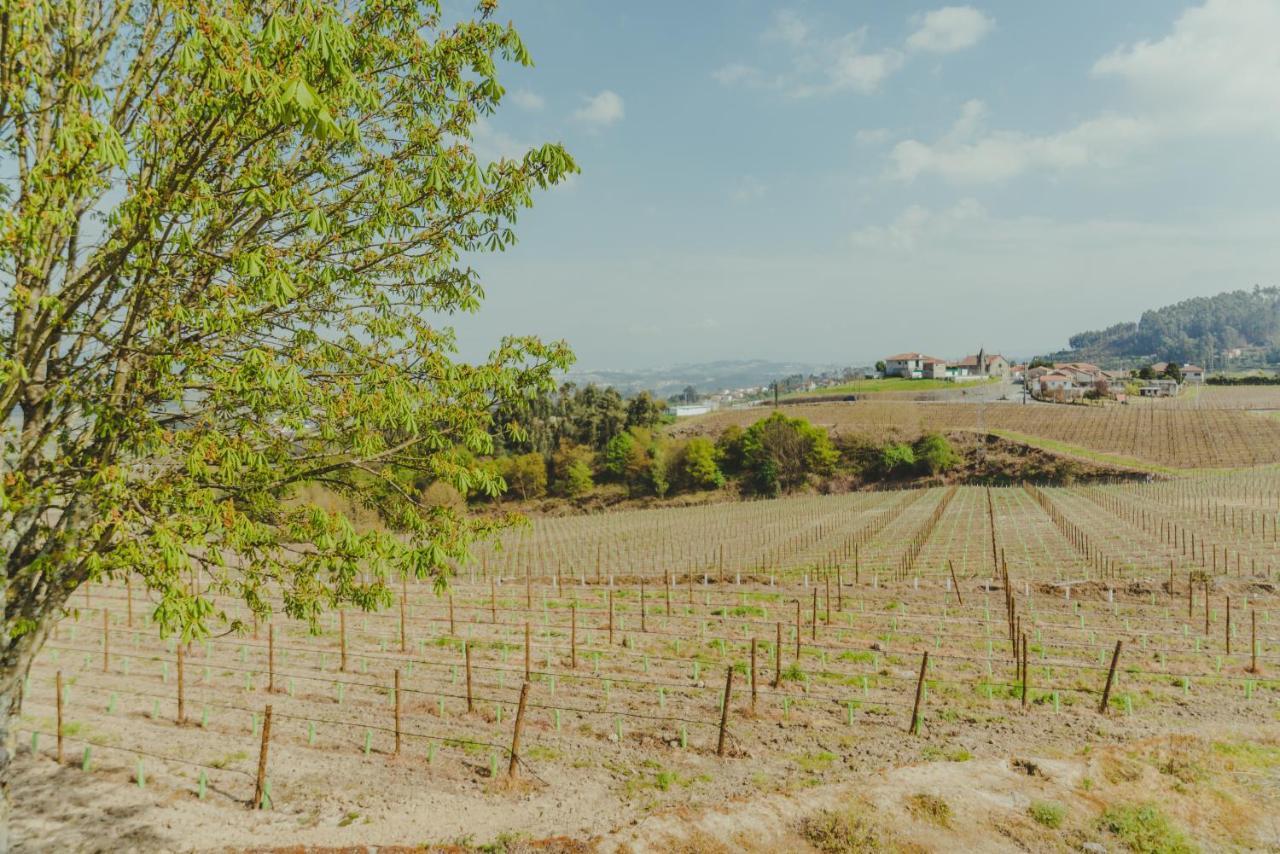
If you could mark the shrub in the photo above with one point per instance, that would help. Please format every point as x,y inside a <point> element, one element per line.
<point>779,453</point>
<point>729,449</point>
<point>844,832</point>
<point>1047,813</point>
<point>617,453</point>
<point>526,475</point>
<point>1144,829</point>
<point>897,457</point>
<point>934,453</point>
<point>698,467</point>
<point>930,808</point>
<point>572,467</point>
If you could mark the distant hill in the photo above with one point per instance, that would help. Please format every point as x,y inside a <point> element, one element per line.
<point>1189,331</point>
<point>705,377</point>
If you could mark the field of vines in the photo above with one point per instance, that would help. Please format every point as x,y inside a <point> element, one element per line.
<point>667,656</point>
<point>1183,437</point>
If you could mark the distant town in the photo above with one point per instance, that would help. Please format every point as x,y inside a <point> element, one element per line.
<point>1040,379</point>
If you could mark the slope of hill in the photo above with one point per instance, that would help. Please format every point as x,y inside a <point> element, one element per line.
<point>1189,331</point>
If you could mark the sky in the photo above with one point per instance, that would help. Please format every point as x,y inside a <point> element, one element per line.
<point>833,182</point>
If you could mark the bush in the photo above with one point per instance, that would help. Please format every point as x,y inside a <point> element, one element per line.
<point>897,457</point>
<point>1047,813</point>
<point>1144,829</point>
<point>698,467</point>
<point>525,475</point>
<point>934,453</point>
<point>617,454</point>
<point>571,465</point>
<point>780,453</point>
<point>844,832</point>
<point>729,449</point>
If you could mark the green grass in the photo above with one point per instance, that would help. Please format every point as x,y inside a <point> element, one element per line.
<point>1144,829</point>
<point>1049,814</point>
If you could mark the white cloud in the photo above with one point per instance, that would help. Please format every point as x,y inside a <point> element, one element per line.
<point>819,64</point>
<point>526,100</point>
<point>1217,73</point>
<point>788,27</point>
<point>489,143</point>
<point>601,110</point>
<point>916,223</point>
<point>950,29</point>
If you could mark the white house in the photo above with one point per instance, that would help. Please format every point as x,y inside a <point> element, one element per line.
<point>909,365</point>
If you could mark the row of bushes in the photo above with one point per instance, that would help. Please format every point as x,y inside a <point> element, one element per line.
<point>775,455</point>
<point>1274,379</point>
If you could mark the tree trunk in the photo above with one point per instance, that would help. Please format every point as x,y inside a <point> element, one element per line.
<point>15,664</point>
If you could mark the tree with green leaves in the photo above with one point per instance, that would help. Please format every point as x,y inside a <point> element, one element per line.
<point>230,234</point>
<point>644,411</point>
<point>698,469</point>
<point>525,474</point>
<point>779,453</point>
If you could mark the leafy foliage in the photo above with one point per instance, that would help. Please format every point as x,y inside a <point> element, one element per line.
<point>698,467</point>
<point>280,198</point>
<point>934,453</point>
<point>779,453</point>
<point>1190,330</point>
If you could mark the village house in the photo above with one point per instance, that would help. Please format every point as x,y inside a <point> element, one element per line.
<point>921,366</point>
<point>908,365</point>
<point>981,364</point>
<point>1052,381</point>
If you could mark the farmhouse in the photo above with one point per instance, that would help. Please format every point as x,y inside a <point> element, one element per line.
<point>981,364</point>
<point>1057,381</point>
<point>908,365</point>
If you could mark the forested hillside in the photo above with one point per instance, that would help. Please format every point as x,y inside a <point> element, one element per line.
<point>1191,330</point>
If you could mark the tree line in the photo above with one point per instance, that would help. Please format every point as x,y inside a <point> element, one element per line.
<point>569,443</point>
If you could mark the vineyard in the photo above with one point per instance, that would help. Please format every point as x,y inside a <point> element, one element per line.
<point>1175,437</point>
<point>585,672</point>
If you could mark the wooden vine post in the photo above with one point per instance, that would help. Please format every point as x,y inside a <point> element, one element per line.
<point>754,675</point>
<point>106,640</point>
<point>259,788</point>
<point>914,728</point>
<point>182,694</point>
<point>1026,672</point>
<point>644,627</point>
<point>513,770</point>
<point>528,654</point>
<point>57,684</point>
<point>724,712</point>
<point>396,688</point>
<point>404,646</point>
<point>777,659</point>
<point>1111,677</point>
<point>342,640</point>
<point>1253,645</point>
<point>466,649</point>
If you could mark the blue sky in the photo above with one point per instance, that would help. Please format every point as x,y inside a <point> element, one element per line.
<point>831,182</point>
